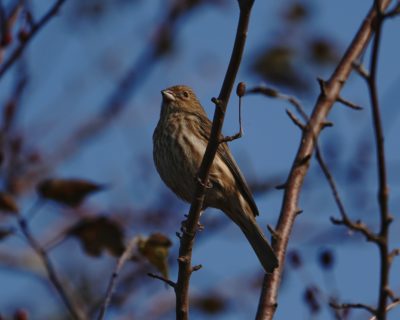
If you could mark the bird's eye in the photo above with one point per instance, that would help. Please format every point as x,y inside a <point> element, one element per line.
<point>186,94</point>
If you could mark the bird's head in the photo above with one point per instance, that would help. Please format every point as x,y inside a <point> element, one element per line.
<point>180,98</point>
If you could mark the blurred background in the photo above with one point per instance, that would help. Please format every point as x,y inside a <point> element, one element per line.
<point>83,101</point>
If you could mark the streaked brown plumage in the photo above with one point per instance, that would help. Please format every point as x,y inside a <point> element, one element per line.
<point>179,143</point>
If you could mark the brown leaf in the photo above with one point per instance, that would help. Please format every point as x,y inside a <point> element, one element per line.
<point>323,51</point>
<point>297,12</point>
<point>277,65</point>
<point>156,249</point>
<point>98,234</point>
<point>70,192</point>
<point>7,203</point>
<point>211,303</point>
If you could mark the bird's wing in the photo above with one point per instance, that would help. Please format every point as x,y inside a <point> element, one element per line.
<point>226,156</point>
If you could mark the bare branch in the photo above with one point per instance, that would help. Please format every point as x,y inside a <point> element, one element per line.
<point>187,239</point>
<point>353,306</point>
<point>360,69</point>
<point>126,255</point>
<point>72,306</point>
<point>388,308</point>
<point>383,189</point>
<point>268,299</point>
<point>52,12</point>
<point>165,280</point>
<point>348,103</point>
<point>295,120</point>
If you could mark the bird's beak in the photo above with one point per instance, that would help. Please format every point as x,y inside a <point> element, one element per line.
<point>168,95</point>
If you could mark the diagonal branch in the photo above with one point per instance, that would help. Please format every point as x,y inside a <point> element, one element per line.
<point>74,309</point>
<point>324,103</point>
<point>187,239</point>
<point>30,35</point>
<point>126,255</point>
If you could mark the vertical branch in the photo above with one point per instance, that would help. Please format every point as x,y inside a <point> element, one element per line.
<point>329,94</point>
<point>187,239</point>
<point>383,191</point>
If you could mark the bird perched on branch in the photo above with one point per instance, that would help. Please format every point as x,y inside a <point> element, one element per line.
<point>179,143</point>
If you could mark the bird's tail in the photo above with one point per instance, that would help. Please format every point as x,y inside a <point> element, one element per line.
<point>258,242</point>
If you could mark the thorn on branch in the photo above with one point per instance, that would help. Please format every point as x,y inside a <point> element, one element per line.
<point>273,232</point>
<point>183,259</point>
<point>327,124</point>
<point>197,267</point>
<point>165,280</point>
<point>281,186</point>
<point>217,103</point>
<point>322,86</point>
<point>394,253</point>
<point>349,104</point>
<point>296,121</point>
<point>179,235</point>
<point>360,69</point>
<point>299,211</point>
<point>391,294</point>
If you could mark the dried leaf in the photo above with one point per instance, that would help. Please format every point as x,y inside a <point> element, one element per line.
<point>156,249</point>
<point>211,303</point>
<point>98,234</point>
<point>277,65</point>
<point>70,192</point>
<point>297,12</point>
<point>7,203</point>
<point>323,51</point>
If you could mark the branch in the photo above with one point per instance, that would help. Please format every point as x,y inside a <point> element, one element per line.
<point>126,255</point>
<point>353,306</point>
<point>75,311</point>
<point>29,36</point>
<point>388,308</point>
<point>187,239</point>
<point>383,189</point>
<point>268,299</point>
<point>163,279</point>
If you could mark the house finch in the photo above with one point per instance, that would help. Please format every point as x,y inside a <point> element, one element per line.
<point>179,142</point>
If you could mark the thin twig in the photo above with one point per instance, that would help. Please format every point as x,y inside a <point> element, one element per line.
<point>30,35</point>
<point>187,239</point>
<point>353,306</point>
<point>268,300</point>
<point>76,311</point>
<point>348,103</point>
<point>238,134</point>
<point>388,308</point>
<point>383,189</point>
<point>356,226</point>
<point>163,279</point>
<point>126,255</point>
<point>360,69</point>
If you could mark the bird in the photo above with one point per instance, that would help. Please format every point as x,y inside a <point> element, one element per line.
<point>179,143</point>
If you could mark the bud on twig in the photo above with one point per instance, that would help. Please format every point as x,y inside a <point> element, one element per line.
<point>241,89</point>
